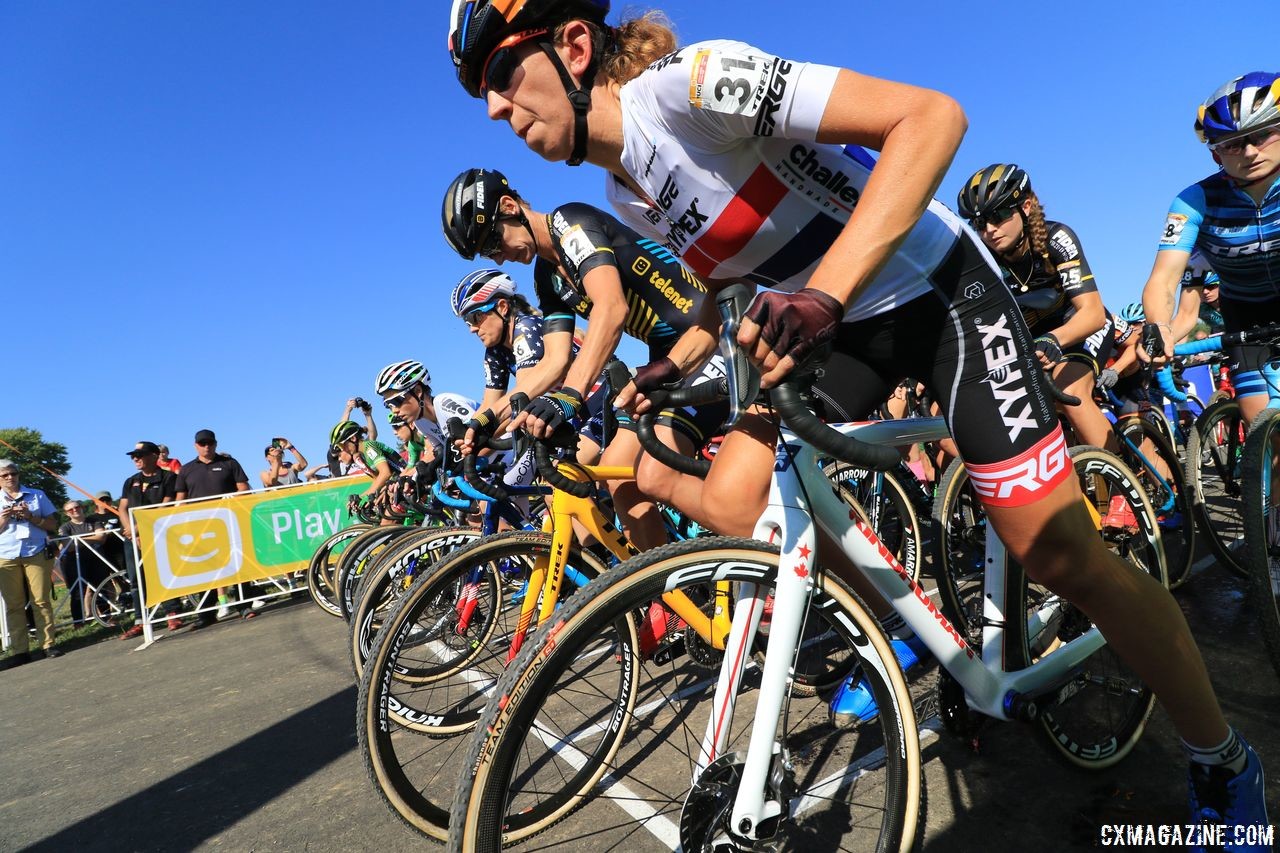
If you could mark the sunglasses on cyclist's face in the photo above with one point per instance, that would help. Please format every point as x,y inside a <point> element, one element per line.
<point>1258,139</point>
<point>502,63</point>
<point>475,318</point>
<point>996,217</point>
<point>491,246</point>
<point>395,402</point>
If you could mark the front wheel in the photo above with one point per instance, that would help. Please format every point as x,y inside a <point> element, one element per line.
<point>1262,525</point>
<point>586,736</point>
<point>1214,450</point>
<point>110,601</point>
<point>1146,450</point>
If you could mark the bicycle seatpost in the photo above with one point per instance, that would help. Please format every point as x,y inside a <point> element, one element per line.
<point>743,379</point>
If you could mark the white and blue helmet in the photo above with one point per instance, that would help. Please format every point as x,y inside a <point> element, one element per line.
<point>479,290</point>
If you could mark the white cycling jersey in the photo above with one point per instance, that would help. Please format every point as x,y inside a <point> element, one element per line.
<point>447,406</point>
<point>721,137</point>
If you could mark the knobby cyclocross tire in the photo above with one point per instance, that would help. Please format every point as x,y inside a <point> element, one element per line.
<point>584,737</point>
<point>362,551</point>
<point>1214,450</point>
<point>1262,527</point>
<point>1146,450</point>
<point>887,506</point>
<point>427,679</point>
<point>382,584</point>
<point>320,570</point>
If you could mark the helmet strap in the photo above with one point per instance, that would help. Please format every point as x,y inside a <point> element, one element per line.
<point>579,97</point>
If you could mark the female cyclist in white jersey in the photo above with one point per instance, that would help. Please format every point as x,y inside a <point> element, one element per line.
<point>727,152</point>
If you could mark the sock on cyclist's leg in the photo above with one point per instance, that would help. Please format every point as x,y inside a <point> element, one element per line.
<point>1229,754</point>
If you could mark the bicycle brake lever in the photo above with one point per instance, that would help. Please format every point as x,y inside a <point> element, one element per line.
<point>742,378</point>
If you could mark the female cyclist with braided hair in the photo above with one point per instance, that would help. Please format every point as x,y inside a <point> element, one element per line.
<point>1044,265</point>
<point>732,156</point>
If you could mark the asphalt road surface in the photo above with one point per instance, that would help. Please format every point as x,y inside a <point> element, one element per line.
<point>241,737</point>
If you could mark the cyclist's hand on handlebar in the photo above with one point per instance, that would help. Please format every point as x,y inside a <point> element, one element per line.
<point>543,415</point>
<point>660,373</point>
<point>781,329</point>
<point>481,426</point>
<point>1156,337</point>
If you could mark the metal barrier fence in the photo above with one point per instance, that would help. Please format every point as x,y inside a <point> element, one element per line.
<point>100,578</point>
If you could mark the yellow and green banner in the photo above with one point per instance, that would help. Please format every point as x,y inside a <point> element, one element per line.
<point>197,545</point>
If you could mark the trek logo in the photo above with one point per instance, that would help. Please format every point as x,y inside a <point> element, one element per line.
<point>1007,383</point>
<point>1260,248</point>
<point>197,547</point>
<point>773,94</point>
<point>805,160</point>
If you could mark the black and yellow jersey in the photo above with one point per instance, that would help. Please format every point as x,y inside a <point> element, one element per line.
<point>663,297</point>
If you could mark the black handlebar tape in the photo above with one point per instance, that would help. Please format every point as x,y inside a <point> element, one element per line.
<point>1057,393</point>
<point>805,424</point>
<point>492,490</point>
<point>547,468</point>
<point>668,456</point>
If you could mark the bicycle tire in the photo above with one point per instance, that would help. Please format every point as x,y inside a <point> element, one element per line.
<point>879,760</point>
<point>1261,524</point>
<point>1212,472</point>
<point>382,584</point>
<point>110,601</point>
<point>399,697</point>
<point>1166,489</point>
<point>353,561</point>
<point>886,505</point>
<point>320,569</point>
<point>960,551</point>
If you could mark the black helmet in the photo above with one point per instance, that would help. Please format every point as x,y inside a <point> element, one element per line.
<point>477,26</point>
<point>999,185</point>
<point>471,208</point>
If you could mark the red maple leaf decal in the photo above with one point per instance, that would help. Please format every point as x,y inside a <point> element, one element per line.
<point>800,570</point>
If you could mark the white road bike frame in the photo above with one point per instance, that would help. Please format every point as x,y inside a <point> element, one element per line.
<point>788,519</point>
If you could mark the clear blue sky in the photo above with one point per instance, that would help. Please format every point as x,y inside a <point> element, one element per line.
<point>226,214</point>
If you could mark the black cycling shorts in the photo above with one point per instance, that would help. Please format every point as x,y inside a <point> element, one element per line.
<point>970,344</point>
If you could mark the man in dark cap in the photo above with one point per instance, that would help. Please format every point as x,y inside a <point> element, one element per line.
<point>149,485</point>
<point>212,473</point>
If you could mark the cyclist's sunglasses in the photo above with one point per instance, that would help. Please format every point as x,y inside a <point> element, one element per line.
<point>996,217</point>
<point>501,65</point>
<point>1258,139</point>
<point>475,318</point>
<point>491,246</point>
<point>396,401</point>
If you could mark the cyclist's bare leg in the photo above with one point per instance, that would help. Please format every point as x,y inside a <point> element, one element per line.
<point>1057,543</point>
<point>1087,420</point>
<point>734,494</point>
<point>637,512</point>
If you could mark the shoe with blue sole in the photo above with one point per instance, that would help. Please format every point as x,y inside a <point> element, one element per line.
<point>1236,803</point>
<point>853,703</point>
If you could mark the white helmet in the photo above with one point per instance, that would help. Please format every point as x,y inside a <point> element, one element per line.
<point>401,376</point>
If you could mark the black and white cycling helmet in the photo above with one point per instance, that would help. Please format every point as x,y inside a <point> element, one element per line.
<point>401,376</point>
<point>471,209</point>
<point>479,290</point>
<point>1000,185</point>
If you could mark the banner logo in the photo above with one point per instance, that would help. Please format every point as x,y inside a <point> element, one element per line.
<point>198,547</point>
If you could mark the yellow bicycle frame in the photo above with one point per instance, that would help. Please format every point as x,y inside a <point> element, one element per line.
<point>549,571</point>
